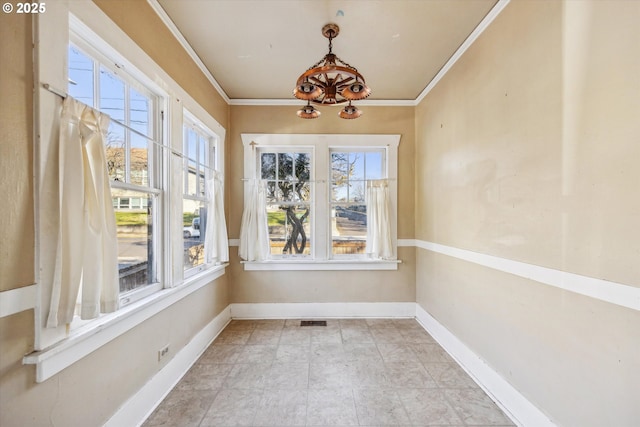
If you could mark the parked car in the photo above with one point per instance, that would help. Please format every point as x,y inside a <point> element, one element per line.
<point>193,230</point>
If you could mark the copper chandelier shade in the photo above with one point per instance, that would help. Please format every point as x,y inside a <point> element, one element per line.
<point>331,81</point>
<point>308,112</point>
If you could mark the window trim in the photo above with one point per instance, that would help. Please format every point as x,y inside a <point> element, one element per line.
<point>321,145</point>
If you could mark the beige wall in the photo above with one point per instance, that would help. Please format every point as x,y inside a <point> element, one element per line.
<point>16,153</point>
<point>91,390</point>
<point>527,150</point>
<point>328,286</point>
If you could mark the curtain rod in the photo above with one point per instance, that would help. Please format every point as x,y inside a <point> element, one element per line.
<point>51,89</point>
<point>322,181</point>
<point>64,95</point>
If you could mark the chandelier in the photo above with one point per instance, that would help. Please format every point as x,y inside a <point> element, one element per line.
<point>331,81</point>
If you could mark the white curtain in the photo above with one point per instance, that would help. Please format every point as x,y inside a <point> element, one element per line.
<point>254,231</point>
<point>378,221</point>
<point>216,239</point>
<point>87,247</point>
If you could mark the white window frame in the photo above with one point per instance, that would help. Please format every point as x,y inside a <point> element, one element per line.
<point>108,58</point>
<point>321,145</point>
<point>213,146</point>
<point>58,348</point>
<point>312,202</point>
<point>351,149</point>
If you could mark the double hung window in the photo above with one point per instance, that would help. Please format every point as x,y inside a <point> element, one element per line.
<point>349,174</point>
<point>199,162</point>
<point>289,199</point>
<point>134,163</point>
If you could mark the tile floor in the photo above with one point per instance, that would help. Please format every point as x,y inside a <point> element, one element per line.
<point>352,372</point>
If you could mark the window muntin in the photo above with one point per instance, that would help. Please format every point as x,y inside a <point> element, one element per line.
<point>199,151</point>
<point>133,163</point>
<point>289,200</point>
<point>351,169</point>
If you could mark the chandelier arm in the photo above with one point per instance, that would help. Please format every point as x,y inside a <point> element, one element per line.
<point>345,81</point>
<point>317,81</point>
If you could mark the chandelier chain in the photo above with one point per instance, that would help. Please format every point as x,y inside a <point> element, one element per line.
<point>348,66</point>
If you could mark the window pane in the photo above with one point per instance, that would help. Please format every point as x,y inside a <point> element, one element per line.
<point>116,152</point>
<point>356,163</point>
<point>194,219</point>
<point>139,157</point>
<point>201,181</point>
<point>289,229</point>
<point>203,158</point>
<point>135,241</point>
<point>340,170</point>
<point>80,76</point>
<point>272,192</point>
<point>374,165</point>
<point>303,166</point>
<point>357,191</point>
<point>285,166</point>
<point>192,178</point>
<point>339,193</point>
<point>111,95</point>
<point>349,229</point>
<point>139,112</point>
<point>268,165</point>
<point>192,142</point>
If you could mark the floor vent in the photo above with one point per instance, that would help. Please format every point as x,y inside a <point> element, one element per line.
<point>313,323</point>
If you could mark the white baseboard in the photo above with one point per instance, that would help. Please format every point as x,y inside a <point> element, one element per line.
<point>324,310</point>
<point>136,410</point>
<point>515,405</point>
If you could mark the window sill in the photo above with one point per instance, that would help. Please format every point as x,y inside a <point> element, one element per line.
<point>110,326</point>
<point>304,265</point>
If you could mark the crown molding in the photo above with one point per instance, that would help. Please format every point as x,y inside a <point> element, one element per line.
<point>298,102</point>
<point>187,47</point>
<point>483,25</point>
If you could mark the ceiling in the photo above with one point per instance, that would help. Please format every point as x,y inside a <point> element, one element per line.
<point>256,49</point>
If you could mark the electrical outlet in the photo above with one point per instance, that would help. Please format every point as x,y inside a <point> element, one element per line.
<point>163,352</point>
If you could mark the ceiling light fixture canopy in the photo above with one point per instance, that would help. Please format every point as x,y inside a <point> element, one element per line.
<point>331,81</point>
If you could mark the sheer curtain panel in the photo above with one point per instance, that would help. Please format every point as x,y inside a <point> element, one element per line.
<point>254,231</point>
<point>87,252</point>
<point>216,239</point>
<point>378,221</point>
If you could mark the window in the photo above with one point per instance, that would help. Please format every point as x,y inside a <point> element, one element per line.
<point>133,162</point>
<point>316,196</point>
<point>350,172</point>
<point>289,200</point>
<point>198,168</point>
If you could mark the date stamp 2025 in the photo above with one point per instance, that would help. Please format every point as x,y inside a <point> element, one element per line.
<point>22,8</point>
